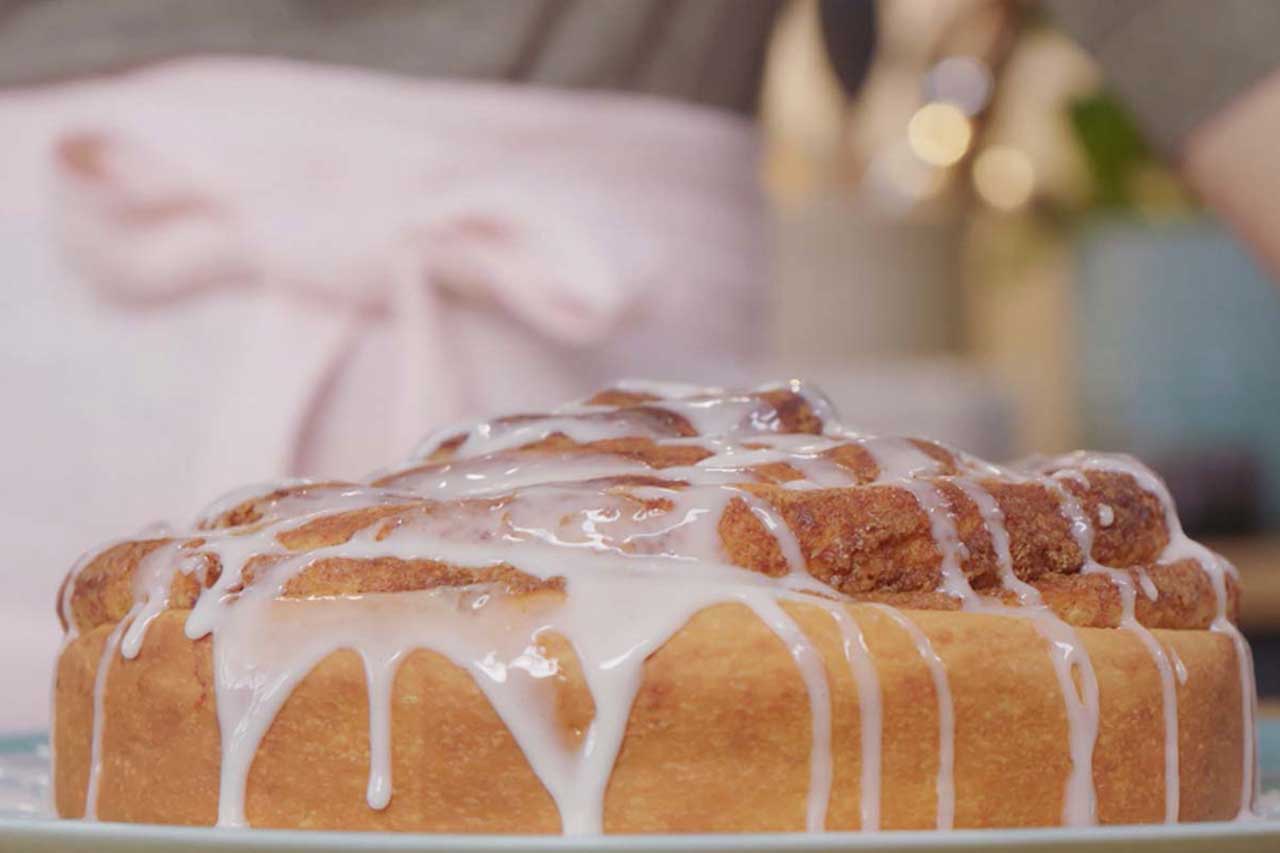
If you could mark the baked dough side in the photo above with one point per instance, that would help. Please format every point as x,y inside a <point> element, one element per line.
<point>718,739</point>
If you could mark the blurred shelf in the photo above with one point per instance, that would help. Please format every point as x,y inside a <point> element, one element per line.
<point>1258,559</point>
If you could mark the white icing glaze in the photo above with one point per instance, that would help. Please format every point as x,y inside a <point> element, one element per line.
<point>1068,656</point>
<point>105,664</point>
<point>561,518</point>
<point>943,528</point>
<point>1179,547</point>
<point>1082,530</point>
<point>72,632</point>
<point>1147,585</point>
<point>899,459</point>
<point>1071,662</point>
<point>228,501</point>
<point>150,594</point>
<point>494,474</point>
<point>813,671</point>
<point>946,785</point>
<point>380,675</point>
<point>1178,666</point>
<point>870,712</point>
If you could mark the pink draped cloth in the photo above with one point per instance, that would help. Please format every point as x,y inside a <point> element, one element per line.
<point>220,271</point>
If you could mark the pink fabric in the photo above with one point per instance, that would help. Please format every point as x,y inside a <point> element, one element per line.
<point>269,268</point>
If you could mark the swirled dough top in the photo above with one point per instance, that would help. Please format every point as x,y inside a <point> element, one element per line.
<point>764,480</point>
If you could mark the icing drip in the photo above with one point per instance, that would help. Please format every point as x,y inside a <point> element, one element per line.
<point>1178,666</point>
<point>1071,662</point>
<point>1068,656</point>
<point>151,593</point>
<point>943,528</point>
<point>380,675</point>
<point>946,787</point>
<point>812,670</point>
<point>904,461</point>
<point>1082,531</point>
<point>99,718</point>
<point>898,459</point>
<point>558,517</point>
<point>1169,694</point>
<point>1180,546</point>
<point>72,632</point>
<point>501,652</point>
<point>1147,585</point>
<point>870,711</point>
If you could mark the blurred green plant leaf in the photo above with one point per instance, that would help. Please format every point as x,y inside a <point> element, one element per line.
<point>1113,147</point>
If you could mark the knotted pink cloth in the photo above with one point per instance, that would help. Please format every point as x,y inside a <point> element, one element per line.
<point>234,270</point>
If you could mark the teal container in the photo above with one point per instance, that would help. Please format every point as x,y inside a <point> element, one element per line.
<point>1178,331</point>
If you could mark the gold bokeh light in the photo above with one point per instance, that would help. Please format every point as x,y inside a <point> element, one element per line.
<point>939,133</point>
<point>1004,177</point>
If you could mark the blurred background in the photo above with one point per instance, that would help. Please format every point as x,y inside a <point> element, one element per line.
<point>1001,224</point>
<point>984,245</point>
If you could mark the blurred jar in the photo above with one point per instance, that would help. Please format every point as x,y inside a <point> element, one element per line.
<point>1178,352</point>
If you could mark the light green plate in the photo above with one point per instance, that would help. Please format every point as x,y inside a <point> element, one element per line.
<point>25,824</point>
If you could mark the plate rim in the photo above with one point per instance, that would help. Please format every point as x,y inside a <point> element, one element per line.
<point>289,839</point>
<point>48,829</point>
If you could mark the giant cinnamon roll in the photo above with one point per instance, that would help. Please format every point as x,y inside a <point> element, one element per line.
<point>664,609</point>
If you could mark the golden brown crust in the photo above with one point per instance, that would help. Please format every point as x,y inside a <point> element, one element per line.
<point>345,576</point>
<point>1184,598</point>
<point>718,738</point>
<point>872,542</point>
<point>103,590</point>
